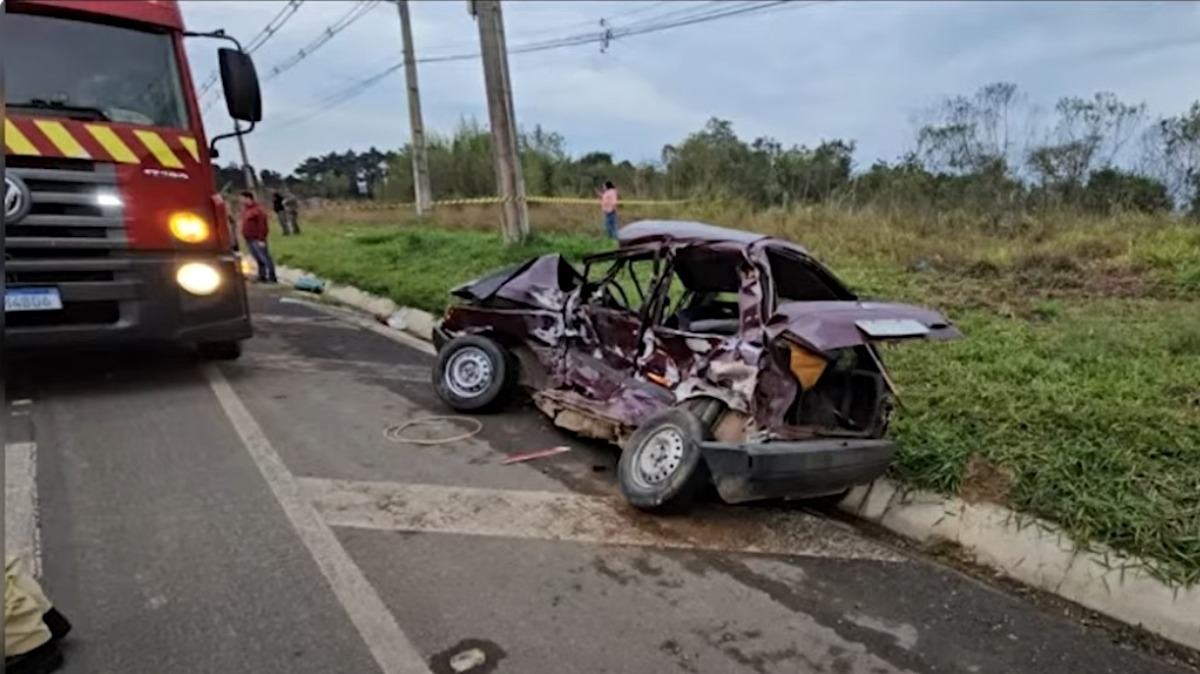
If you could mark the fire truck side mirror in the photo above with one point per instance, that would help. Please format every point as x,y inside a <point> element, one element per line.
<point>239,80</point>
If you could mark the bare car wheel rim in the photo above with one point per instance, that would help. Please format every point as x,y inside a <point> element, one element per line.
<point>658,457</point>
<point>469,372</point>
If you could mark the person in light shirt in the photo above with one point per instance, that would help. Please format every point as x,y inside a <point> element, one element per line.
<point>608,204</point>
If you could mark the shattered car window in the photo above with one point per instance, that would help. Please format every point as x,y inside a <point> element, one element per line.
<point>800,281</point>
<point>703,295</point>
<point>625,284</point>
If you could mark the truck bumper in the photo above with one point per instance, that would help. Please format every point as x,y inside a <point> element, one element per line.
<point>140,303</point>
<point>807,469</point>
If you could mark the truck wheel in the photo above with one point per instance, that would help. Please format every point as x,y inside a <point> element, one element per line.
<point>220,350</point>
<point>473,373</point>
<point>661,468</point>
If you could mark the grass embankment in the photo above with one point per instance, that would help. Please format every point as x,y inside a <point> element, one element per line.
<point>1075,397</point>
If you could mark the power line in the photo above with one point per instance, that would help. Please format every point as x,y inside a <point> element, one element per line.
<point>361,9</point>
<point>261,38</point>
<point>572,26</point>
<point>720,10</point>
<point>390,68</point>
<point>358,11</point>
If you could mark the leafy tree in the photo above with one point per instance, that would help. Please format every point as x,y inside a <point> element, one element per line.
<point>974,156</point>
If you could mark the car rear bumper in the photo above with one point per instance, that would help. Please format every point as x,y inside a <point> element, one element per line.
<point>140,302</point>
<point>805,469</point>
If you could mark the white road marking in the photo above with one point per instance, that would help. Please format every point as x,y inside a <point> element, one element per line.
<point>304,364</point>
<point>318,321</point>
<point>393,506</point>
<point>21,535</point>
<point>370,616</point>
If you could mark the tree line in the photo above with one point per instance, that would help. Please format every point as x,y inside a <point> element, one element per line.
<point>989,152</point>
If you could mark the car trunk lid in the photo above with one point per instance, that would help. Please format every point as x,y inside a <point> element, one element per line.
<point>828,326</point>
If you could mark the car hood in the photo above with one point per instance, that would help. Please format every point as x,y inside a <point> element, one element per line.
<point>826,326</point>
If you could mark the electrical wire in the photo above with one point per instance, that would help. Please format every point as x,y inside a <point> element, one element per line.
<point>718,10</point>
<point>358,11</point>
<point>572,27</point>
<point>259,39</point>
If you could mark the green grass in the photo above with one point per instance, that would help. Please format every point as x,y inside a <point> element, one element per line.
<point>1084,396</point>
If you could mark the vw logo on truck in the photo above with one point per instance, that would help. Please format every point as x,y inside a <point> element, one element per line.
<point>16,199</point>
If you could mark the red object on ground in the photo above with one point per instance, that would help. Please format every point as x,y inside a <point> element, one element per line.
<point>536,454</point>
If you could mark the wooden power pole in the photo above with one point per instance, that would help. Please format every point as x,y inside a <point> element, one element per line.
<point>420,157</point>
<point>509,178</point>
<point>248,173</point>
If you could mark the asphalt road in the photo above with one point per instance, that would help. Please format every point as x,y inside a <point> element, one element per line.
<point>254,517</point>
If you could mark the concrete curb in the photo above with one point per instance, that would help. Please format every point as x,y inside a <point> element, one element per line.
<point>1031,551</point>
<point>415,322</point>
<point>1037,553</point>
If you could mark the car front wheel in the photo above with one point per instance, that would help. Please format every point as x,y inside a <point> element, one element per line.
<point>661,468</point>
<point>472,373</point>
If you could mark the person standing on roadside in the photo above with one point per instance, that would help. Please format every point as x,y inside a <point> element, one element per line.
<point>280,213</point>
<point>608,205</point>
<point>291,208</point>
<point>254,231</point>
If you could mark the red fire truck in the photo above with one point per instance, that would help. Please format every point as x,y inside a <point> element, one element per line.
<point>114,232</point>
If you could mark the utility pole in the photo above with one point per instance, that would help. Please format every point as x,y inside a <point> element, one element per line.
<point>419,156</point>
<point>519,171</point>
<point>509,179</point>
<point>247,170</point>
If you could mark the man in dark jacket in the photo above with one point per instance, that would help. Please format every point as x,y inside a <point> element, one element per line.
<point>278,205</point>
<point>254,231</point>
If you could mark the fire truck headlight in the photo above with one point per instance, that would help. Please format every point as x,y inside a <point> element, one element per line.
<point>189,228</point>
<point>198,278</point>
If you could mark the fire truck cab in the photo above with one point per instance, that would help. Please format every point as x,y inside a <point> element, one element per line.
<point>114,232</point>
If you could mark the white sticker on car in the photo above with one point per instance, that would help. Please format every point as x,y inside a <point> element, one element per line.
<point>892,327</point>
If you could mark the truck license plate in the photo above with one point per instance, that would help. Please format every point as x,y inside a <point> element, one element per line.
<point>32,299</point>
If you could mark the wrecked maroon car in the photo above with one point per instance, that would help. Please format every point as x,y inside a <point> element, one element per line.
<point>705,353</point>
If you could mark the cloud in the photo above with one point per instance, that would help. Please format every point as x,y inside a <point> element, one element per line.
<point>801,72</point>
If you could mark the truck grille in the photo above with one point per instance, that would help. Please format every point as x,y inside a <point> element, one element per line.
<point>69,241</point>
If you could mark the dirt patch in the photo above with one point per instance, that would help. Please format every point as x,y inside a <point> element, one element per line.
<point>984,481</point>
<point>1116,284</point>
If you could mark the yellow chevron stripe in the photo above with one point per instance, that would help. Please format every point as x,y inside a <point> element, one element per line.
<point>158,148</point>
<point>62,139</point>
<point>189,144</point>
<point>16,142</point>
<point>112,143</point>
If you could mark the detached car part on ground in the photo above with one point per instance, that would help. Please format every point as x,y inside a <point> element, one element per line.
<point>705,353</point>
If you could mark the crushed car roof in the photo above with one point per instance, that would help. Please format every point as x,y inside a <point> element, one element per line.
<point>649,231</point>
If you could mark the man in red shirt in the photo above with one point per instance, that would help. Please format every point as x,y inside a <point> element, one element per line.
<point>254,231</point>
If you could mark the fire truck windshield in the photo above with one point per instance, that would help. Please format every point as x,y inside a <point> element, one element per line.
<point>69,68</point>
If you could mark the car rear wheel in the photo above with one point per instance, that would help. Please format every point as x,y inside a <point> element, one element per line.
<point>473,373</point>
<point>661,468</point>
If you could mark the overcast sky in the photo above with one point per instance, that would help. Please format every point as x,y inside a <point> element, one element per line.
<point>800,73</point>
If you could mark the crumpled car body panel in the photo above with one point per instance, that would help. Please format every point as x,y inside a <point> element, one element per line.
<point>755,317</point>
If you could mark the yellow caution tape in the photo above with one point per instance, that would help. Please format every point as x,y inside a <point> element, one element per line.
<point>395,205</point>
